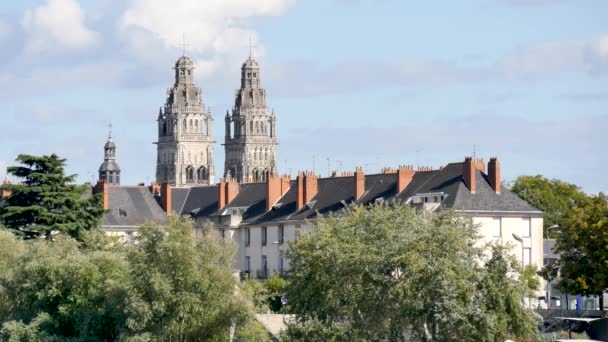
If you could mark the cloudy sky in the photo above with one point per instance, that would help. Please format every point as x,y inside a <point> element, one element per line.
<point>368,83</point>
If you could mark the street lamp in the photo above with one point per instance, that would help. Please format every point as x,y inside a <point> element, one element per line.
<point>521,241</point>
<point>546,253</point>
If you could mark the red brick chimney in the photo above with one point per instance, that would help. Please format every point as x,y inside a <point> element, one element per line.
<point>359,183</point>
<point>468,173</point>
<point>228,189</point>
<point>308,186</point>
<point>404,176</point>
<point>276,187</point>
<point>4,193</point>
<point>494,174</point>
<point>165,196</point>
<point>102,187</point>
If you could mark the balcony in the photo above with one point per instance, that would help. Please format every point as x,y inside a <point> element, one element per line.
<point>262,273</point>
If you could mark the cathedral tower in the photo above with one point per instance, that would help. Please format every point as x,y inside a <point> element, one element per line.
<point>251,141</point>
<point>185,144</point>
<point>109,169</point>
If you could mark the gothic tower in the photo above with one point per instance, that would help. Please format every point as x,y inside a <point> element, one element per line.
<point>185,144</point>
<point>109,169</point>
<point>250,131</point>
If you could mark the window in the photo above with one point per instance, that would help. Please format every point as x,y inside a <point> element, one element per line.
<point>247,237</point>
<point>248,264</point>
<point>222,234</point>
<point>264,273</point>
<point>297,232</point>
<point>255,75</point>
<point>280,266</point>
<point>281,233</point>
<point>264,235</point>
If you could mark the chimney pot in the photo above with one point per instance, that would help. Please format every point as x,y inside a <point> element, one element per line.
<point>468,173</point>
<point>494,174</point>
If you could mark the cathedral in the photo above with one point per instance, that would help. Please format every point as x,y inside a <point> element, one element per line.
<point>185,138</point>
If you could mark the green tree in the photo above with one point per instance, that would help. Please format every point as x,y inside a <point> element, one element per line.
<point>47,201</point>
<point>387,272</point>
<point>554,197</point>
<point>583,247</point>
<point>183,288</point>
<point>57,290</point>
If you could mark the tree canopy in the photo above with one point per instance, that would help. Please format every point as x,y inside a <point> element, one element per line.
<point>554,197</point>
<point>582,235</point>
<point>167,286</point>
<point>388,273</point>
<point>47,201</point>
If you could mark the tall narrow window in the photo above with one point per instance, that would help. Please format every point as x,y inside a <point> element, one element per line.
<point>248,264</point>
<point>280,266</point>
<point>264,235</point>
<point>264,273</point>
<point>281,233</point>
<point>247,237</point>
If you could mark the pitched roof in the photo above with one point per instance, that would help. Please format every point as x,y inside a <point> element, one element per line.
<point>132,207</point>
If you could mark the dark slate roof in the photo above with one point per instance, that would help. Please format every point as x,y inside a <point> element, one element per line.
<point>132,207</point>
<point>336,193</point>
<point>202,201</point>
<point>178,199</point>
<point>449,180</point>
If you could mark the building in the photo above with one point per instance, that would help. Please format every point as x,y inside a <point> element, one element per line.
<point>250,141</point>
<point>185,143</point>
<point>261,216</point>
<point>109,169</point>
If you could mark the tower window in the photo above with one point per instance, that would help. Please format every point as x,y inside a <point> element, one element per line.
<point>254,75</point>
<point>248,74</point>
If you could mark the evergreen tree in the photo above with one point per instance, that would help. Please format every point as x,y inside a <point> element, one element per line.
<point>47,201</point>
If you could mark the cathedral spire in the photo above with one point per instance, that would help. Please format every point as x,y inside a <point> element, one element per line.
<point>250,142</point>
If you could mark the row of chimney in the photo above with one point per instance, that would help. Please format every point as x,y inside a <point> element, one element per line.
<point>307,184</point>
<point>470,166</point>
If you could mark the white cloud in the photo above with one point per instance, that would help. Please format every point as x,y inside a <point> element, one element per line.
<point>57,24</point>
<point>216,31</point>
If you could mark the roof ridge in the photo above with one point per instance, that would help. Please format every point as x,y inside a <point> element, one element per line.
<point>181,210</point>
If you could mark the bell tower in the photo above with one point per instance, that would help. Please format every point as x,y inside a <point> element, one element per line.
<point>109,169</point>
<point>185,143</point>
<point>250,143</point>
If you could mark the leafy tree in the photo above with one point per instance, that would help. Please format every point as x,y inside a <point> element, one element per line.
<point>554,197</point>
<point>61,291</point>
<point>183,288</point>
<point>47,201</point>
<point>583,247</point>
<point>387,273</point>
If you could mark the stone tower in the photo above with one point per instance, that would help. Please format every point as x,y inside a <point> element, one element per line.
<point>185,144</point>
<point>250,131</point>
<point>109,169</point>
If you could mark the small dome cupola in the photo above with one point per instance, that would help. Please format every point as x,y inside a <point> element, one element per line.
<point>183,70</point>
<point>250,74</point>
<point>109,169</point>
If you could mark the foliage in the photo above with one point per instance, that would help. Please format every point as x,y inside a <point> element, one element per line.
<point>388,273</point>
<point>182,288</point>
<point>275,286</point>
<point>554,197</point>
<point>168,286</point>
<point>256,293</point>
<point>47,201</point>
<point>583,248</point>
<point>62,290</point>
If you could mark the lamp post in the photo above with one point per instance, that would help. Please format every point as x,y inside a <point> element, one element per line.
<point>521,241</point>
<point>546,253</point>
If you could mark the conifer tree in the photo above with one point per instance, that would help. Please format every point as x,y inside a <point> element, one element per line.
<point>47,200</point>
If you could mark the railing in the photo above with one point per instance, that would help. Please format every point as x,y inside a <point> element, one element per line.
<point>262,274</point>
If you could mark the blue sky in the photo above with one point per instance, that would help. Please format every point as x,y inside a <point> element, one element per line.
<point>353,82</point>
